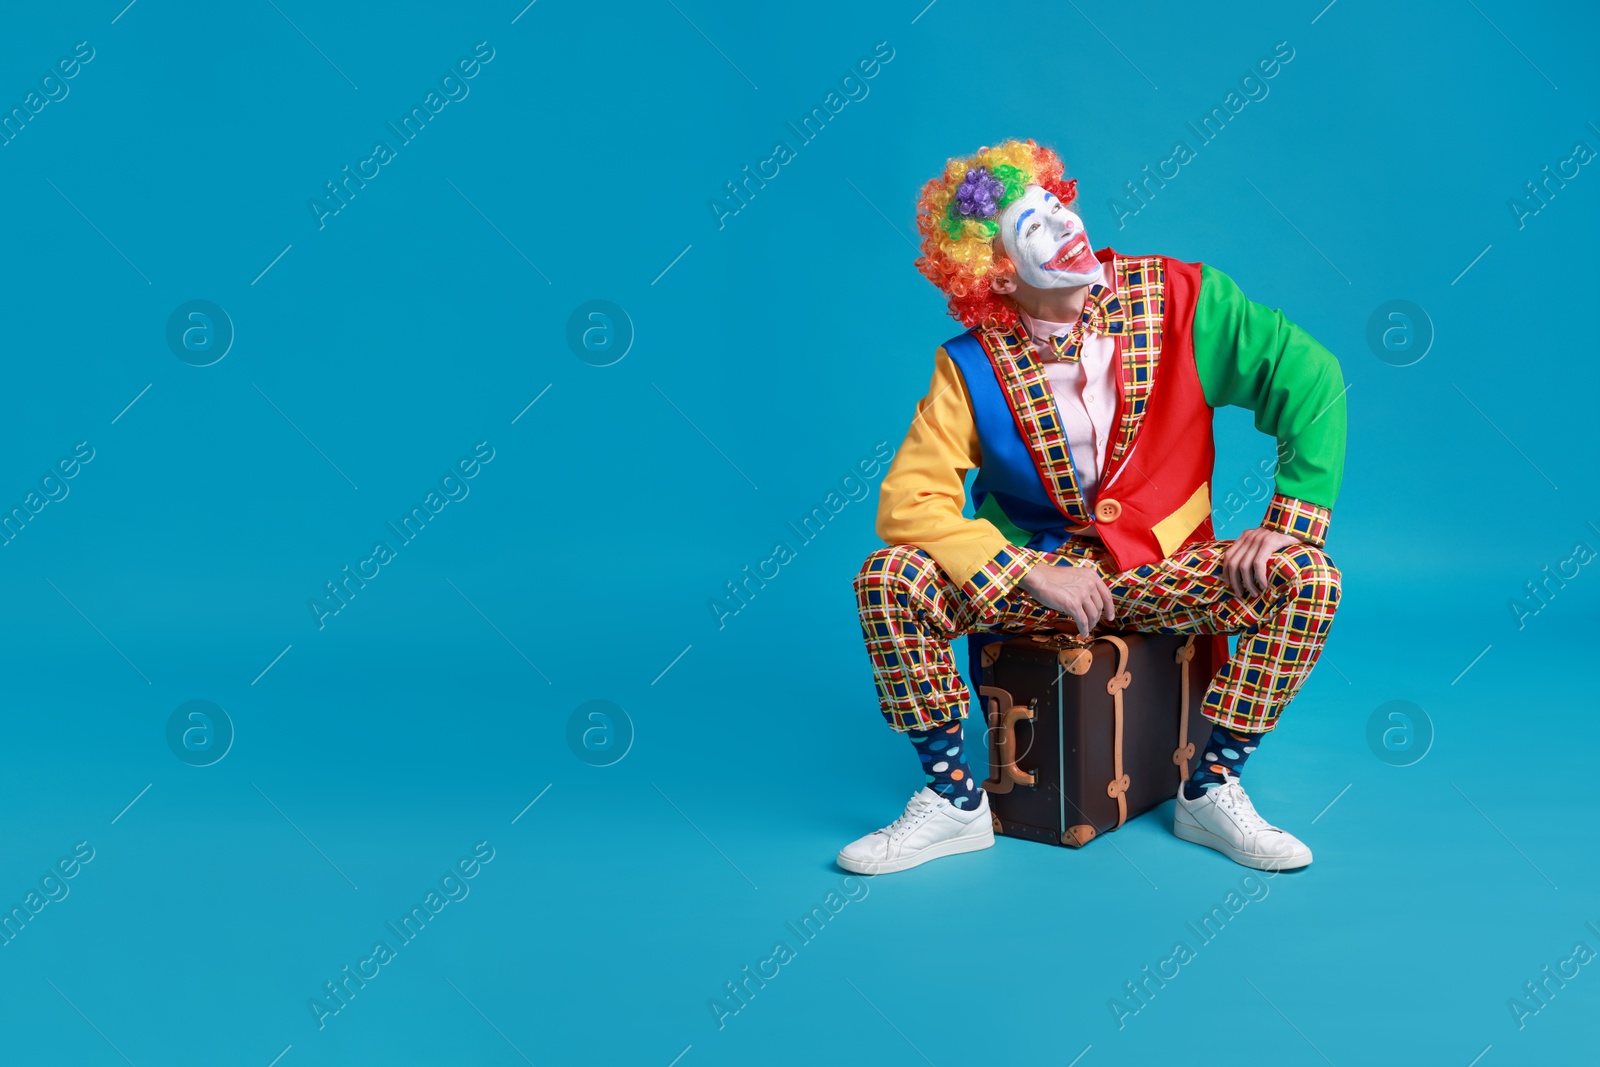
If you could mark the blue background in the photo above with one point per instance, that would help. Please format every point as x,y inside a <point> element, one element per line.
<point>769,356</point>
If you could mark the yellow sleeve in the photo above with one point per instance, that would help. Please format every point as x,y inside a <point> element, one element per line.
<point>921,499</point>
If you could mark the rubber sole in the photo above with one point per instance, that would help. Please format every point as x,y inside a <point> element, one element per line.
<point>953,847</point>
<point>1199,835</point>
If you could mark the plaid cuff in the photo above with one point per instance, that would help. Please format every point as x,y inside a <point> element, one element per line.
<point>999,576</point>
<point>1298,518</point>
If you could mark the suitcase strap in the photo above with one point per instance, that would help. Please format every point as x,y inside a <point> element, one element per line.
<point>1077,659</point>
<point>1118,786</point>
<point>1185,750</point>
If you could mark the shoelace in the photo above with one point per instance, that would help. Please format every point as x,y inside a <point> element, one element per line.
<point>915,815</point>
<point>1232,798</point>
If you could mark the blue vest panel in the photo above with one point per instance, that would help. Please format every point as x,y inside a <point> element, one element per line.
<point>1008,472</point>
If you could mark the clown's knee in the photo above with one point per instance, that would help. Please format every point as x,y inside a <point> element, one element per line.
<point>889,575</point>
<point>1307,573</point>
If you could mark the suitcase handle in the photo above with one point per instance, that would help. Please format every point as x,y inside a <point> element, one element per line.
<point>1004,713</point>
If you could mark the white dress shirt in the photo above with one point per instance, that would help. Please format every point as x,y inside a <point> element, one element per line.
<point>1085,391</point>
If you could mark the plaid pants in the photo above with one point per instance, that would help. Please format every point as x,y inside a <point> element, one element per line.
<point>911,611</point>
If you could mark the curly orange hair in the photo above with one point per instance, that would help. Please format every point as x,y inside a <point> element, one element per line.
<point>958,253</point>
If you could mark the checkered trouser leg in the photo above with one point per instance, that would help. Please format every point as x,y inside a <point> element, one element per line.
<point>911,611</point>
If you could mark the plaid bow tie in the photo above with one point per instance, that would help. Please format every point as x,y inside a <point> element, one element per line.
<point>1102,314</point>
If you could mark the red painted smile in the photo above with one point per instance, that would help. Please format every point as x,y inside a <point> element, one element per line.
<point>1074,256</point>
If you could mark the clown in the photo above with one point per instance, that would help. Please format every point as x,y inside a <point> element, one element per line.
<point>1082,392</point>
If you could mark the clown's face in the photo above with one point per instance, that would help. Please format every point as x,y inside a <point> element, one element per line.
<point>1046,241</point>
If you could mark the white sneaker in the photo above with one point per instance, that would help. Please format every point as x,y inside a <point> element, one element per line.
<point>1224,819</point>
<point>931,827</point>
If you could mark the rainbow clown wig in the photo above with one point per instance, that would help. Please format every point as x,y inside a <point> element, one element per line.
<point>956,216</point>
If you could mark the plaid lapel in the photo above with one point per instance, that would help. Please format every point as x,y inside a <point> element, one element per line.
<point>1140,285</point>
<point>1027,392</point>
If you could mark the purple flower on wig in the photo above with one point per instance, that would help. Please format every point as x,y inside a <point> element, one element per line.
<point>978,194</point>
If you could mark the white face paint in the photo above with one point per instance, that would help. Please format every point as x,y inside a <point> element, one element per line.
<point>1046,241</point>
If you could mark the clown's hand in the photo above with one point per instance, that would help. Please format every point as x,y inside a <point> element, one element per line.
<point>1244,561</point>
<point>1072,590</point>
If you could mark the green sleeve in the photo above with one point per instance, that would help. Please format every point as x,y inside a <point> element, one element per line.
<point>1251,356</point>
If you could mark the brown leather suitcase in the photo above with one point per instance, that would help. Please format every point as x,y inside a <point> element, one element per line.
<point>1087,734</point>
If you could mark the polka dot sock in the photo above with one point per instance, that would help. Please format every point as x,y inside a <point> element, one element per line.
<point>944,763</point>
<point>1225,752</point>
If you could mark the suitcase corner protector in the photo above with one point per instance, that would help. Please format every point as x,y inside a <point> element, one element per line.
<point>1078,836</point>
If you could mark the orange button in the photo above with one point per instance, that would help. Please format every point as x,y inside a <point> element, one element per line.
<point>1107,510</point>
